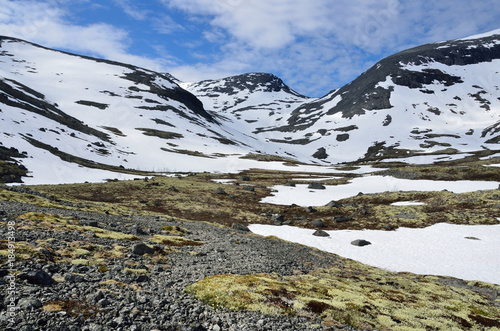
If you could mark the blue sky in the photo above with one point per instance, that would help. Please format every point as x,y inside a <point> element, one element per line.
<point>313,45</point>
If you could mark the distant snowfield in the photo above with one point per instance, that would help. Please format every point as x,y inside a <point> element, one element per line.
<point>303,196</point>
<point>53,171</point>
<point>469,252</point>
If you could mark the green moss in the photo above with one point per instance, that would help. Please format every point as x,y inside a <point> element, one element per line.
<point>355,294</point>
<point>174,241</point>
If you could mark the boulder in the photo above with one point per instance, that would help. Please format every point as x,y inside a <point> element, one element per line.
<point>342,218</point>
<point>334,204</point>
<point>37,277</point>
<point>240,227</point>
<point>316,186</point>
<point>220,190</point>
<point>318,223</point>
<point>310,209</point>
<point>360,242</point>
<point>320,233</point>
<point>141,249</point>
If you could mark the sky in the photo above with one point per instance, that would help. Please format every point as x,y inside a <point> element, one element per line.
<point>315,46</point>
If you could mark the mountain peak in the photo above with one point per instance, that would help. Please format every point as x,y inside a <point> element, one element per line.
<point>249,82</point>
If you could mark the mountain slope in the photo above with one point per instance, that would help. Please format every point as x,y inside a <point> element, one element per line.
<point>102,114</point>
<point>431,97</point>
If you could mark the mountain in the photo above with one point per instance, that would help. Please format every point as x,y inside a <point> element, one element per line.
<point>437,96</point>
<point>66,117</point>
<point>61,112</point>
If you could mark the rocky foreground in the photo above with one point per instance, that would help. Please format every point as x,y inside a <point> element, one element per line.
<point>138,287</point>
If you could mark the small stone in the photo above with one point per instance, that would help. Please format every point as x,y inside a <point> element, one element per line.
<point>334,204</point>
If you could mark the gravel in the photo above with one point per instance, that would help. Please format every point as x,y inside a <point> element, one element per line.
<point>161,302</point>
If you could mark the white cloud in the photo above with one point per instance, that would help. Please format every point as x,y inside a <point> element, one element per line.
<point>48,24</point>
<point>321,44</point>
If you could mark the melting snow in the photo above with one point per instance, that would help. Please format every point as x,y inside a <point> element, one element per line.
<point>470,252</point>
<point>302,196</point>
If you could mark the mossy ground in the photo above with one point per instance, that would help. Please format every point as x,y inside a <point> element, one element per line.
<point>361,296</point>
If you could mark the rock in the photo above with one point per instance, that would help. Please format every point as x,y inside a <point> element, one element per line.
<point>220,190</point>
<point>334,204</point>
<point>240,227</point>
<point>38,277</point>
<point>316,186</point>
<point>291,184</point>
<point>142,279</point>
<point>73,278</point>
<point>318,223</point>
<point>277,219</point>
<point>360,242</point>
<point>138,230</point>
<point>320,233</point>
<point>249,188</point>
<point>244,178</point>
<point>29,303</point>
<point>342,218</point>
<point>388,227</point>
<point>141,249</point>
<point>320,154</point>
<point>310,209</point>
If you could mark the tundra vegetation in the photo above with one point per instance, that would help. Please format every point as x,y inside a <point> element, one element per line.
<point>362,296</point>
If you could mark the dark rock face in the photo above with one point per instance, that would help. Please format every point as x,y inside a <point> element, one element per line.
<point>334,204</point>
<point>320,154</point>
<point>247,82</point>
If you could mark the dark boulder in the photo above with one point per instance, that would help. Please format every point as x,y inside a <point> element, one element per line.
<point>316,186</point>
<point>141,249</point>
<point>318,223</point>
<point>360,242</point>
<point>240,227</point>
<point>320,233</point>
<point>37,277</point>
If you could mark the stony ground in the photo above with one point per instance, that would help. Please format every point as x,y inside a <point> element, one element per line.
<point>139,290</point>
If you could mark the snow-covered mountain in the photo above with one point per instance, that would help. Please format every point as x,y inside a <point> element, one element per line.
<point>63,114</point>
<point>433,97</point>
